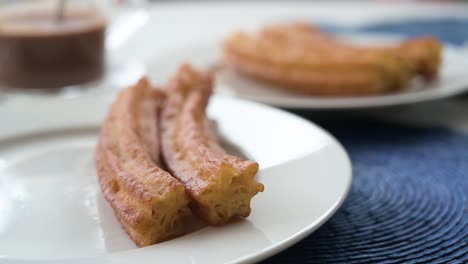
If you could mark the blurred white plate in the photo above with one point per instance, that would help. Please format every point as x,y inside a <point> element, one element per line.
<point>453,79</point>
<point>52,211</point>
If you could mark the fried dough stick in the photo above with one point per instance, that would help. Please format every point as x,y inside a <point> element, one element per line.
<point>421,54</point>
<point>310,71</point>
<point>302,58</point>
<point>149,203</point>
<point>221,185</point>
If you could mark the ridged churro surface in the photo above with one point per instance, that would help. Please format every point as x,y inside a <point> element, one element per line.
<point>149,203</point>
<point>220,184</point>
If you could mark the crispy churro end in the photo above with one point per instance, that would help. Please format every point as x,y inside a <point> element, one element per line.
<point>229,197</point>
<point>221,185</point>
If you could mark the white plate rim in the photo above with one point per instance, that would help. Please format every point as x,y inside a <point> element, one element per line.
<point>313,103</point>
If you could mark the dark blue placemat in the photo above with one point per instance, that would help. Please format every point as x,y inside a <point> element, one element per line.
<point>450,30</point>
<point>408,201</point>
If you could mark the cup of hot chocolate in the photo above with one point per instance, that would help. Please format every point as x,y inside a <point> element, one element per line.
<point>51,44</point>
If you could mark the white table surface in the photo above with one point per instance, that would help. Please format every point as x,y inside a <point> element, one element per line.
<point>161,27</point>
<point>180,24</point>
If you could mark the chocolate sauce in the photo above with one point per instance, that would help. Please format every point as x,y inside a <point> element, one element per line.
<point>39,51</point>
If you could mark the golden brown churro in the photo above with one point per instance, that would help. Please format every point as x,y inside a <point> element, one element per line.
<point>421,54</point>
<point>149,203</point>
<point>302,58</point>
<point>221,185</point>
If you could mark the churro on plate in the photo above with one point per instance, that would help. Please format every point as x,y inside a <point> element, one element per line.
<point>149,203</point>
<point>221,185</point>
<point>302,58</point>
<point>143,126</point>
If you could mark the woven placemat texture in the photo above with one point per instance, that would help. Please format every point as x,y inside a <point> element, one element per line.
<point>409,197</point>
<point>408,201</point>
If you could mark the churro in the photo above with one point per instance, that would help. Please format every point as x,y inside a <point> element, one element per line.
<point>221,185</point>
<point>149,203</point>
<point>302,58</point>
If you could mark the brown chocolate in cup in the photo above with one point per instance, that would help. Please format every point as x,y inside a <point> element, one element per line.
<point>39,51</point>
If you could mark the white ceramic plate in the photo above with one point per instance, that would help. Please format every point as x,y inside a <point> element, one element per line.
<point>52,211</point>
<point>453,79</point>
